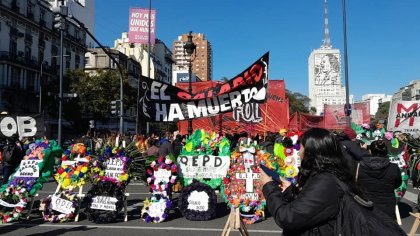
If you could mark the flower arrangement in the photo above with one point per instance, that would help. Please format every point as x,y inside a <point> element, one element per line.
<point>111,157</point>
<point>198,201</point>
<point>110,176</point>
<point>19,189</point>
<point>203,143</point>
<point>59,215</point>
<point>237,191</point>
<point>16,198</point>
<point>162,175</point>
<point>156,208</point>
<point>287,159</point>
<point>74,167</point>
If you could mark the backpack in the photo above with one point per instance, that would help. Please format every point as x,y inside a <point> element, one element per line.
<point>359,217</point>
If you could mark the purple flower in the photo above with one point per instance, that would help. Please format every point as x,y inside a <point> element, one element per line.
<point>148,219</point>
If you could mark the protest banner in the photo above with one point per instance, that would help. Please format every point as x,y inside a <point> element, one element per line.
<point>404,116</point>
<point>23,126</point>
<point>164,103</point>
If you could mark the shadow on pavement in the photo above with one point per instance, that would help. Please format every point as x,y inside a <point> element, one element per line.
<point>62,231</point>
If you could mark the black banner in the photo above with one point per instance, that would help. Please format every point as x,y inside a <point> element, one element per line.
<point>164,102</point>
<point>22,125</point>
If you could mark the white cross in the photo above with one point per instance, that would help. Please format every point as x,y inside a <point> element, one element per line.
<point>249,176</point>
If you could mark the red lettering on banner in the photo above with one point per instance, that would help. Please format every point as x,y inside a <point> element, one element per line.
<point>256,72</point>
<point>199,96</point>
<point>184,95</point>
<point>238,81</point>
<point>224,89</point>
<point>401,108</point>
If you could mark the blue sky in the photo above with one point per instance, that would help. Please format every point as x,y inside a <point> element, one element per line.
<point>383,37</point>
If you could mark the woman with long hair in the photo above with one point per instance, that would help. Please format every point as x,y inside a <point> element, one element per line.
<point>310,207</point>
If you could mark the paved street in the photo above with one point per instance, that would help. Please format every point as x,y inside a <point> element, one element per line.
<point>175,225</point>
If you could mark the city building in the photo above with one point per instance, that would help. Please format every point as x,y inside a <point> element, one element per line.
<point>375,100</point>
<point>96,60</point>
<point>409,92</point>
<point>30,54</point>
<point>325,77</point>
<point>202,59</point>
<point>84,11</point>
<point>161,61</point>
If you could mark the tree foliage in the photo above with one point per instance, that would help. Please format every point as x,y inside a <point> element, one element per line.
<point>383,111</point>
<point>298,102</point>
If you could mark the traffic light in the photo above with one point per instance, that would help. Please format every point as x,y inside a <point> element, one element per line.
<point>58,24</point>
<point>114,107</point>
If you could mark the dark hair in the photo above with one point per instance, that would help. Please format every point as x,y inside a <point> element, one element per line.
<point>322,153</point>
<point>287,142</point>
<point>378,148</point>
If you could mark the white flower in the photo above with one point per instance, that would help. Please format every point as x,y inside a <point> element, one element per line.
<point>153,163</point>
<point>168,161</point>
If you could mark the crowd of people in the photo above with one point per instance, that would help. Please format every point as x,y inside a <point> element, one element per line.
<point>311,204</point>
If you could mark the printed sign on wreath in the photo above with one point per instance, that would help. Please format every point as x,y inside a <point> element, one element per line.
<point>28,168</point>
<point>104,203</point>
<point>114,167</point>
<point>203,166</point>
<point>62,205</point>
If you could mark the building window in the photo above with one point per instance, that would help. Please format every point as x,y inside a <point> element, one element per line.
<point>77,62</point>
<point>15,75</point>
<point>68,59</point>
<point>87,61</point>
<point>30,80</point>
<point>13,48</point>
<point>27,52</point>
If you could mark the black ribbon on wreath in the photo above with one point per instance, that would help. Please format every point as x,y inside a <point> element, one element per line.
<point>204,210</point>
<point>107,189</point>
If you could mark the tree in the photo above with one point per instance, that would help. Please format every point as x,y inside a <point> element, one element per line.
<point>298,102</point>
<point>94,95</point>
<point>382,113</point>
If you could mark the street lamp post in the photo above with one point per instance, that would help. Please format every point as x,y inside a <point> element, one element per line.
<point>346,71</point>
<point>189,48</point>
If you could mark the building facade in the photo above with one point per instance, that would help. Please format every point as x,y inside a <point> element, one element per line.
<point>325,77</point>
<point>96,60</point>
<point>411,92</point>
<point>202,59</point>
<point>30,53</point>
<point>161,62</point>
<point>375,100</point>
<point>84,11</point>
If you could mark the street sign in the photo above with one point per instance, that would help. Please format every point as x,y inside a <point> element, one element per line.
<point>347,109</point>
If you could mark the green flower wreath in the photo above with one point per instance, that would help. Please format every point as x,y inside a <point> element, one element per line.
<point>202,143</point>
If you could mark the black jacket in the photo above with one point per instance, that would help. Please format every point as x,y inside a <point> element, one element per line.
<point>352,153</point>
<point>312,212</point>
<point>378,178</point>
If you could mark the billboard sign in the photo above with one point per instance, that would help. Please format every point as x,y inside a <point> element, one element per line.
<point>138,26</point>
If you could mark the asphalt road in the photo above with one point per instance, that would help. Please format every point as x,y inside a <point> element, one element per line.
<point>174,225</point>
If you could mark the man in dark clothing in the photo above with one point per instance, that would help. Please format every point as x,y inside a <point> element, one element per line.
<point>12,155</point>
<point>165,147</point>
<point>352,151</point>
<point>153,150</point>
<point>177,145</point>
